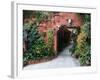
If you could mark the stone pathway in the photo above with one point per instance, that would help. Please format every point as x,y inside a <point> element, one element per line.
<point>63,60</point>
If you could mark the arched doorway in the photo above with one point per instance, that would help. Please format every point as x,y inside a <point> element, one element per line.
<point>63,38</point>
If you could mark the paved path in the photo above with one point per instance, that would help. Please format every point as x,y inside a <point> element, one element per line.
<point>63,60</point>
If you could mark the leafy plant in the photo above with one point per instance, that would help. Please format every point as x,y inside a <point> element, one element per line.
<point>74,35</point>
<point>86,17</point>
<point>36,48</point>
<point>30,37</point>
<point>40,16</point>
<point>83,45</point>
<point>50,45</point>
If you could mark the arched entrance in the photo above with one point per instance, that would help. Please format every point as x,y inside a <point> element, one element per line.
<point>63,38</point>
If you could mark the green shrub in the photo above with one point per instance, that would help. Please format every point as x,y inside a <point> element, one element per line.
<point>36,47</point>
<point>83,45</point>
<point>74,35</point>
<point>50,44</point>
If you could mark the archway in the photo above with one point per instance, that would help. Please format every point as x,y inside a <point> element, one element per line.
<point>63,38</point>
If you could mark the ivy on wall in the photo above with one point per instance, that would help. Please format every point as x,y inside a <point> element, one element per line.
<point>82,45</point>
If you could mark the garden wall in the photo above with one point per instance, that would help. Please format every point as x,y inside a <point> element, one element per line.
<point>56,21</point>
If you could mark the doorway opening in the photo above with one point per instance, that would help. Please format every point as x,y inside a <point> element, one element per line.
<point>63,38</point>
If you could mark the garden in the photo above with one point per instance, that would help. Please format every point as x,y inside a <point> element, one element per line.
<point>35,49</point>
<point>40,42</point>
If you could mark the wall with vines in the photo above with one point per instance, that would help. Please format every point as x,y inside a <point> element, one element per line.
<point>82,47</point>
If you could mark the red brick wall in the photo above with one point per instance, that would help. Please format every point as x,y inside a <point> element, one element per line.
<point>58,20</point>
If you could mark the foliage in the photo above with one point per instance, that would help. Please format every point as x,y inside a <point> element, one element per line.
<point>41,16</point>
<point>30,37</point>
<point>74,35</point>
<point>36,47</point>
<point>37,15</point>
<point>83,45</point>
<point>50,35</point>
<point>50,45</point>
<point>85,56</point>
<point>86,17</point>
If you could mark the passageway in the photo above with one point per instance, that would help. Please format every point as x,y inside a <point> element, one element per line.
<point>64,60</point>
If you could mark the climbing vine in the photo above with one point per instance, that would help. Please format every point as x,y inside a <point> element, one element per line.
<point>82,44</point>
<point>50,34</point>
<point>82,48</point>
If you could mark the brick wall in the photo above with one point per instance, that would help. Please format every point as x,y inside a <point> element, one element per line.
<point>59,19</point>
<point>56,20</point>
